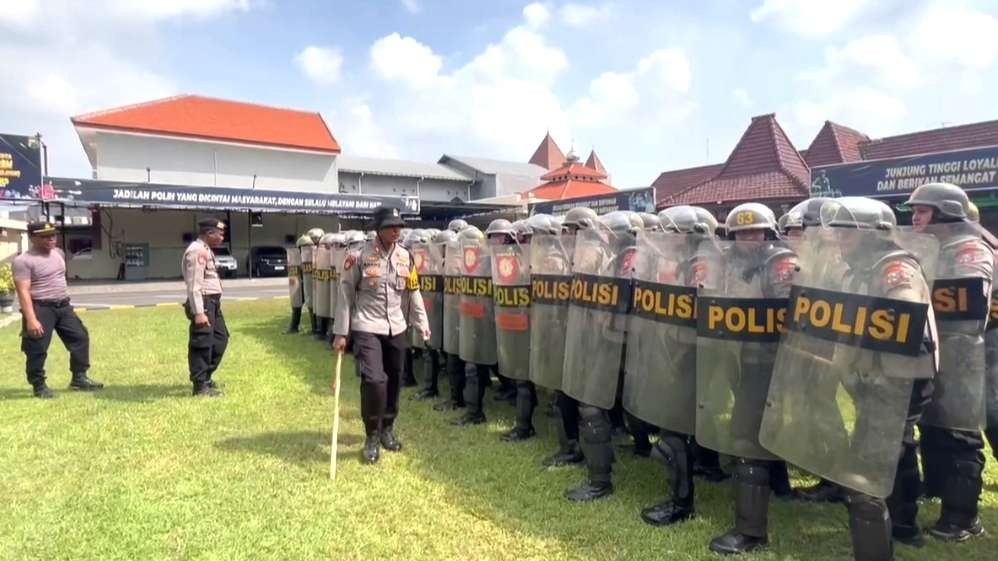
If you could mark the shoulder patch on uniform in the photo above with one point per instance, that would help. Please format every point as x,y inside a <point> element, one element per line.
<point>971,252</point>
<point>784,268</point>
<point>898,273</point>
<point>349,261</point>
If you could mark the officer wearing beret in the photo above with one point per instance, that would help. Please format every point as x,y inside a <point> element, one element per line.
<point>208,336</point>
<point>40,280</point>
<point>378,290</point>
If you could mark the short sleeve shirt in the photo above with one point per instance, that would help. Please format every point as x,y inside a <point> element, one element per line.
<point>46,272</point>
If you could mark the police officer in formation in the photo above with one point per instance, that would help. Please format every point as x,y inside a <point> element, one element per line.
<point>451,344</point>
<point>951,440</point>
<point>296,289</point>
<point>428,251</point>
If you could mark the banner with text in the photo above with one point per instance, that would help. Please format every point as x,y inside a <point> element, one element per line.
<point>638,200</point>
<point>219,198</point>
<point>974,170</point>
<point>20,167</point>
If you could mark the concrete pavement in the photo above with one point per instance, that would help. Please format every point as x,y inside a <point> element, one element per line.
<point>168,293</point>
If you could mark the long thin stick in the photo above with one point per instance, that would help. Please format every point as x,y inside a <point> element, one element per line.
<point>336,416</point>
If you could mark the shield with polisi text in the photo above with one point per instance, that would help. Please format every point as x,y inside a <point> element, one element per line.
<point>857,331</point>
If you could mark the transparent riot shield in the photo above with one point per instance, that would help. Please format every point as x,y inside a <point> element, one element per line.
<point>856,324</point>
<point>321,276</point>
<point>307,252</point>
<point>294,277</point>
<point>478,320</point>
<point>740,310</point>
<point>511,295</point>
<point>597,316</point>
<point>337,255</point>
<point>961,296</point>
<point>660,385</point>
<point>991,373</point>
<point>429,262</point>
<point>551,281</point>
<point>452,298</point>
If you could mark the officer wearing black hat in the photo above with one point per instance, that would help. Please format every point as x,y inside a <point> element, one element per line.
<point>208,336</point>
<point>40,279</point>
<point>378,290</point>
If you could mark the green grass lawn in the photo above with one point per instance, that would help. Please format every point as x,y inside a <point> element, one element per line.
<point>142,471</point>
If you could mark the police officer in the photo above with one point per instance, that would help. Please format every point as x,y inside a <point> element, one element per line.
<point>477,324</point>
<point>660,386</point>
<point>414,351</point>
<point>295,288</point>
<point>453,264</point>
<point>429,255</point>
<point>952,444</point>
<point>559,265</point>
<point>369,309</point>
<point>755,267</point>
<point>40,280</point>
<point>595,344</point>
<point>208,335</point>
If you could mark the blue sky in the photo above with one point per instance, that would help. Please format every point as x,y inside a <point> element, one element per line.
<point>651,85</point>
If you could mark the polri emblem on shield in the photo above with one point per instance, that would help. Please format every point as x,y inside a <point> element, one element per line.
<point>471,258</point>
<point>508,268</point>
<point>419,256</point>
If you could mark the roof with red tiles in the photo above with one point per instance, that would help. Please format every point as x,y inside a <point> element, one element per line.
<point>218,119</point>
<point>834,144</point>
<point>668,183</point>
<point>763,165</point>
<point>593,162</point>
<point>934,140</point>
<point>548,155</point>
<point>569,189</point>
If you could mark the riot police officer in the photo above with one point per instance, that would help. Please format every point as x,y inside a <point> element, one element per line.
<point>295,287</point>
<point>859,266</point>
<point>451,344</point>
<point>660,385</point>
<point>428,254</point>
<point>752,271</point>
<point>477,338</point>
<point>952,444</point>
<point>595,339</point>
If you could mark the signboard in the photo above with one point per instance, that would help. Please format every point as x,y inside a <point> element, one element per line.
<point>20,167</point>
<point>974,170</point>
<point>638,200</point>
<point>113,193</point>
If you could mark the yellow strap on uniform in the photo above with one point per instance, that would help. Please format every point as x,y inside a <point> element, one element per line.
<point>413,282</point>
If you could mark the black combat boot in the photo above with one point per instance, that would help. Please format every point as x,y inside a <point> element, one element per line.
<point>595,434</point>
<point>202,389</point>
<point>295,321</point>
<point>675,453</point>
<point>469,418</point>
<point>389,441</point>
<point>779,481</point>
<point>526,401</point>
<point>42,391</point>
<point>408,376</point>
<point>707,464</point>
<point>323,333</point>
<point>823,492</point>
<point>751,510</point>
<point>959,519</point>
<point>82,383</point>
<point>869,528</point>
<point>568,453</point>
<point>372,449</point>
<point>431,373</point>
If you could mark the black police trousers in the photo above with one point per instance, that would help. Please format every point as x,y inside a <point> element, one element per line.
<point>381,360</point>
<point>206,345</point>
<point>55,316</point>
<point>954,463</point>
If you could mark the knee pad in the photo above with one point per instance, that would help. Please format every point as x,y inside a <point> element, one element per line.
<point>866,508</point>
<point>751,472</point>
<point>596,426</point>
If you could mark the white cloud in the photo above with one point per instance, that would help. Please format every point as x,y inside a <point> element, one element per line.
<point>873,110</point>
<point>809,17</point>
<point>881,55</point>
<point>670,68</point>
<point>358,132</point>
<point>522,54</point>
<point>321,64</point>
<point>582,15</point>
<point>412,6</point>
<point>949,33</point>
<point>18,12</point>
<point>394,57</point>
<point>742,97</point>
<point>165,9</point>
<point>536,14</point>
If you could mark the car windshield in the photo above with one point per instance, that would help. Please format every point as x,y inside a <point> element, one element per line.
<point>221,250</point>
<point>271,252</point>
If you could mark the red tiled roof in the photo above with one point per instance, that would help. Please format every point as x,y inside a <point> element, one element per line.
<point>669,183</point>
<point>834,144</point>
<point>548,155</point>
<point>569,189</point>
<point>773,185</point>
<point>218,119</point>
<point>934,140</point>
<point>593,162</point>
<point>763,165</point>
<point>573,170</point>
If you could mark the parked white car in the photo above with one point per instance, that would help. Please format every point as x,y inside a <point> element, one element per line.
<point>225,263</point>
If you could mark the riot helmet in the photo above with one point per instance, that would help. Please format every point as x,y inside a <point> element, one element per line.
<point>858,213</point>
<point>650,222</point>
<point>973,213</point>
<point>580,218</point>
<point>316,234</point>
<point>681,219</point>
<point>304,240</point>
<point>327,239</point>
<point>748,217</point>
<point>457,225</point>
<point>338,240</point>
<point>949,201</point>
<point>543,224</point>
